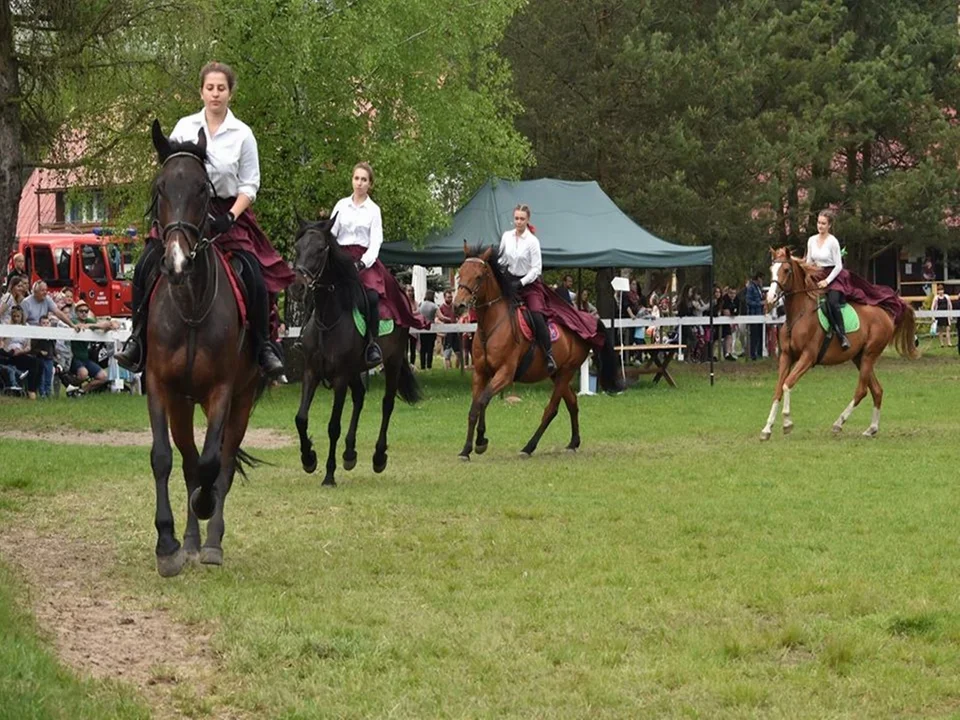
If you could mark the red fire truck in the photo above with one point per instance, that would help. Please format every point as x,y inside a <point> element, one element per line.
<point>95,265</point>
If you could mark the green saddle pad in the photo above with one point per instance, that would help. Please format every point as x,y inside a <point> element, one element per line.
<point>851,321</point>
<point>386,326</point>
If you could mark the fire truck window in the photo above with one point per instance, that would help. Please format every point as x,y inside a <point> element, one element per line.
<point>63,263</point>
<point>93,264</point>
<point>43,264</point>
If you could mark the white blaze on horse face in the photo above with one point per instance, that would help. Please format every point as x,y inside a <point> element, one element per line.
<point>774,285</point>
<point>177,258</point>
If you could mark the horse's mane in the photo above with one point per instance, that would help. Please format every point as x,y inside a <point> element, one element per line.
<point>808,271</point>
<point>340,264</point>
<point>508,287</point>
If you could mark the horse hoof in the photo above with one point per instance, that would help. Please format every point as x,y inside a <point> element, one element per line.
<point>211,556</point>
<point>349,461</point>
<point>463,458</point>
<point>837,429</point>
<point>309,462</point>
<point>379,467</point>
<point>481,449</point>
<point>764,435</point>
<point>571,450</point>
<point>203,509</point>
<point>171,565</point>
<point>787,428</point>
<point>524,455</point>
<point>329,482</point>
<point>871,432</point>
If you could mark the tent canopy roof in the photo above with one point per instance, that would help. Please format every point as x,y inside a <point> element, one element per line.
<point>577,224</point>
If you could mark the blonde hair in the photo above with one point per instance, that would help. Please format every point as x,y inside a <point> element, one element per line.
<point>829,215</point>
<point>524,209</point>
<point>364,165</point>
<point>219,67</point>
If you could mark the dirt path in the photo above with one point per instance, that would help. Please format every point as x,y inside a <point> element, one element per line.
<point>97,631</point>
<point>265,439</point>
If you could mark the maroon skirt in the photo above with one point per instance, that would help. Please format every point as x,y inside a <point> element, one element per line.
<point>858,290</point>
<point>539,298</point>
<point>394,305</point>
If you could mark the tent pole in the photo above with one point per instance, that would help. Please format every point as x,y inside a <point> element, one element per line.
<point>579,286</point>
<point>712,336</point>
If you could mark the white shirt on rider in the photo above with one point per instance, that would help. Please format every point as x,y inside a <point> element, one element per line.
<point>359,225</point>
<point>521,255</point>
<point>233,161</point>
<point>827,255</point>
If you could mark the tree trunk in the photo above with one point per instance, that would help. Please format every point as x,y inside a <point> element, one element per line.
<point>11,152</point>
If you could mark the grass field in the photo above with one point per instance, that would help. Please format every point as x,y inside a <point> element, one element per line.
<point>675,567</point>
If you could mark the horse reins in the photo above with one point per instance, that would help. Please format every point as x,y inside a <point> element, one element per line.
<point>484,336</point>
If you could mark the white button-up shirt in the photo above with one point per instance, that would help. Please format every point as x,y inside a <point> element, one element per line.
<point>825,256</point>
<point>232,158</point>
<point>359,225</point>
<point>521,255</point>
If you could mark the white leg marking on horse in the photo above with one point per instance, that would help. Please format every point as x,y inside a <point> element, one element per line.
<point>765,433</point>
<point>787,422</point>
<point>844,416</point>
<point>874,423</point>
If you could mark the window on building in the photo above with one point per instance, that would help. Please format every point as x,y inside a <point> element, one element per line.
<point>85,207</point>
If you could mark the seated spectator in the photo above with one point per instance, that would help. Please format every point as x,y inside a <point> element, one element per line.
<point>15,351</point>
<point>39,303</point>
<point>87,370</point>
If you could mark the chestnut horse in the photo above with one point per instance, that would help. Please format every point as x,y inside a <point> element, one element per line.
<point>198,352</point>
<point>802,337</point>
<point>499,349</point>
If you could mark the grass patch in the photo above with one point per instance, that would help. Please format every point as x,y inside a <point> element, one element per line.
<point>674,567</point>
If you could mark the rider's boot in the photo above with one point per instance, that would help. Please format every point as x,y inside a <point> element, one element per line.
<point>543,340</point>
<point>258,313</point>
<point>372,354</point>
<point>133,355</point>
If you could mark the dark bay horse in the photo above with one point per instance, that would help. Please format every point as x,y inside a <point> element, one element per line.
<point>801,340</point>
<point>499,349</point>
<point>333,349</point>
<point>198,352</point>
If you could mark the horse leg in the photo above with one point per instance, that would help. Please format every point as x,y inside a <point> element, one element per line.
<point>549,413</point>
<point>483,442</point>
<point>308,457</point>
<point>392,376</point>
<point>573,407</point>
<point>169,557</point>
<point>784,388</point>
<point>333,428</point>
<point>204,499</point>
<point>483,391</point>
<point>783,370</point>
<point>358,392</point>
<point>876,392</point>
<point>236,427</point>
<point>181,427</point>
<point>863,382</point>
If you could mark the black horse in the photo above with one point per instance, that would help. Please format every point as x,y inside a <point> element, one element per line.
<point>333,349</point>
<point>198,353</point>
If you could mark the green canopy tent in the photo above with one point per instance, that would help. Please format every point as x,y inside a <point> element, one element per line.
<point>577,224</point>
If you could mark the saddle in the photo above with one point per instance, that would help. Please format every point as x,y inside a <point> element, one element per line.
<point>851,321</point>
<point>526,325</point>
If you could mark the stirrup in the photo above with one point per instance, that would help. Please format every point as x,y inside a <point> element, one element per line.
<point>269,362</point>
<point>131,355</point>
<point>372,355</point>
<point>551,363</point>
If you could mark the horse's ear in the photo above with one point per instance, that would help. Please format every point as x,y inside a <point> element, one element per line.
<point>202,140</point>
<point>485,255</point>
<point>466,249</point>
<point>301,223</point>
<point>160,142</point>
<point>332,221</point>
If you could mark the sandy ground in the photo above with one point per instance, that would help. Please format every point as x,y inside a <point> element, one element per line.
<point>264,439</point>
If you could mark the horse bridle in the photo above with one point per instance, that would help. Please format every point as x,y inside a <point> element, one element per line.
<point>181,226</point>
<point>474,290</point>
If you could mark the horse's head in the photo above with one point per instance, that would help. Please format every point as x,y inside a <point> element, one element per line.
<point>315,250</point>
<point>475,273</point>
<point>181,201</point>
<point>788,275</point>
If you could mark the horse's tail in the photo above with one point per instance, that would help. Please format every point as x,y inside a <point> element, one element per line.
<point>243,461</point>
<point>408,388</point>
<point>609,378</point>
<point>905,333</point>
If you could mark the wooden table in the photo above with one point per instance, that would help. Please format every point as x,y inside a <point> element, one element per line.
<point>657,362</point>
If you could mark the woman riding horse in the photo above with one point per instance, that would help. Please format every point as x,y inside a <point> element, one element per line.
<point>234,168</point>
<point>358,228</point>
